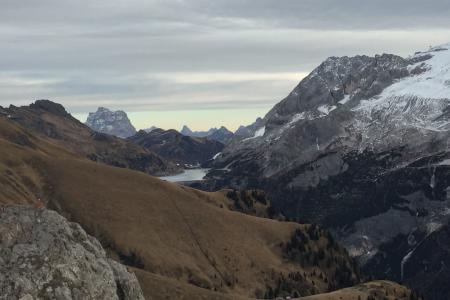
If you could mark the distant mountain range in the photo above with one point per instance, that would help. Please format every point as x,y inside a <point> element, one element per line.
<point>221,134</point>
<point>172,145</point>
<point>118,124</point>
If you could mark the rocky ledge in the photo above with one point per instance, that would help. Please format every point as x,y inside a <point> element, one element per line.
<point>43,256</point>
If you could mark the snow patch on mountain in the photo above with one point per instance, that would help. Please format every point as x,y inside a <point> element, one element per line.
<point>419,100</point>
<point>403,263</point>
<point>345,100</point>
<point>259,133</point>
<point>326,109</point>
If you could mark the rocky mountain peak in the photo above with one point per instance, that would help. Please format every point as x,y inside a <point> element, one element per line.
<point>111,122</point>
<point>186,131</point>
<point>337,80</point>
<point>50,106</point>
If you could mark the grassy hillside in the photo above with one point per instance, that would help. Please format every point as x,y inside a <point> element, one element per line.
<point>51,121</point>
<point>183,243</point>
<point>376,290</point>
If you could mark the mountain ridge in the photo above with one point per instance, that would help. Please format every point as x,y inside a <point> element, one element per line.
<point>221,134</point>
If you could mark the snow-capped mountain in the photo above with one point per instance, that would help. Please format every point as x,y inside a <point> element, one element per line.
<point>361,147</point>
<point>111,122</point>
<point>358,103</point>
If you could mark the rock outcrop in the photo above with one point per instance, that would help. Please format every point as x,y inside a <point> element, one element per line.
<point>111,122</point>
<point>43,256</point>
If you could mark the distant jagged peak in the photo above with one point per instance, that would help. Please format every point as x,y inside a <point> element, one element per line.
<point>221,134</point>
<point>150,129</point>
<point>111,122</point>
<point>186,130</point>
<point>105,110</point>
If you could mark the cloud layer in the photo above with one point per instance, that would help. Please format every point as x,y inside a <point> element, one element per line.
<point>194,54</point>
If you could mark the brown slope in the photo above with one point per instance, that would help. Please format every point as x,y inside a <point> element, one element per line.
<point>183,244</point>
<point>375,290</point>
<point>51,121</point>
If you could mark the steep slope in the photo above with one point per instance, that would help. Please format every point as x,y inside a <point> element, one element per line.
<point>111,122</point>
<point>377,290</point>
<point>51,121</point>
<point>361,147</point>
<point>179,235</point>
<point>172,145</point>
<point>429,273</point>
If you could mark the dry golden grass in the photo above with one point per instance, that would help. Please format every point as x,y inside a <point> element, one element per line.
<point>170,230</point>
<point>381,289</point>
<point>183,244</point>
<point>158,287</point>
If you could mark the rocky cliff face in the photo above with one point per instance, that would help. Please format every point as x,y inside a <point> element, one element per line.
<point>111,122</point>
<point>360,146</point>
<point>45,257</point>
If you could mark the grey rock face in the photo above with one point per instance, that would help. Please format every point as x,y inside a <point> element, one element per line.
<point>42,256</point>
<point>317,113</point>
<point>111,122</point>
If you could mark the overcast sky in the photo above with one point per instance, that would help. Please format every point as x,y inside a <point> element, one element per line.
<point>203,63</point>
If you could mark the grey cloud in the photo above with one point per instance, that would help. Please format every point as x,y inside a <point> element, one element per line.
<point>111,51</point>
<point>313,14</point>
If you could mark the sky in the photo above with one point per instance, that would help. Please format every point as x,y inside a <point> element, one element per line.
<point>204,63</point>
